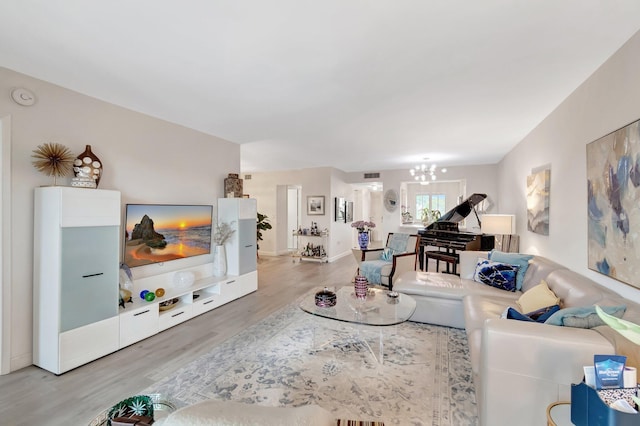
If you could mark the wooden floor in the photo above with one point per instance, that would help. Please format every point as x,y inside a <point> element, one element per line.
<point>33,396</point>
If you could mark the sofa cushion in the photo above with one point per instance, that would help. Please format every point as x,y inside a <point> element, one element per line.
<point>537,297</point>
<point>496,274</point>
<point>518,259</point>
<point>584,316</point>
<point>540,315</point>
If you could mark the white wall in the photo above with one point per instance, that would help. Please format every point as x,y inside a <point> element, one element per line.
<point>147,159</point>
<point>264,188</point>
<point>608,100</point>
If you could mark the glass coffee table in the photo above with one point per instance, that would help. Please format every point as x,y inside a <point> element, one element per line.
<point>377,309</point>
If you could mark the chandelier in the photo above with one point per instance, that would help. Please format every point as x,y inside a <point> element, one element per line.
<point>425,173</point>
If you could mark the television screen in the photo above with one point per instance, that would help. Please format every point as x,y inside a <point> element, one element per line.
<point>157,233</point>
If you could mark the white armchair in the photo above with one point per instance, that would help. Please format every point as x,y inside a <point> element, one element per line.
<point>399,255</point>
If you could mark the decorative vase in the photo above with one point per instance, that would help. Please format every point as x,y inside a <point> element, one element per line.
<point>363,240</point>
<point>360,285</point>
<point>87,169</point>
<point>219,261</point>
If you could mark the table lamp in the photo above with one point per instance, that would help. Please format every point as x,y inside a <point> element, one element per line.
<point>503,228</point>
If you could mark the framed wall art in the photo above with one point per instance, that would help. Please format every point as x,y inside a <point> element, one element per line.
<point>349,215</point>
<point>315,204</point>
<point>339,209</point>
<point>538,186</point>
<point>613,196</point>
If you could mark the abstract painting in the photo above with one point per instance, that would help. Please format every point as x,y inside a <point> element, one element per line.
<point>538,185</point>
<point>613,185</point>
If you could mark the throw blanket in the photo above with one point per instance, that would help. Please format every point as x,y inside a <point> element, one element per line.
<point>371,270</point>
<point>398,243</point>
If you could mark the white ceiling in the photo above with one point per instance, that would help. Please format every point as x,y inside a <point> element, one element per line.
<point>360,85</point>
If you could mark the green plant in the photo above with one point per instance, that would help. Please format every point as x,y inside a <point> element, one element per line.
<point>428,215</point>
<point>262,225</point>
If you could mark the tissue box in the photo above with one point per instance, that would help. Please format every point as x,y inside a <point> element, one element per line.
<point>588,409</point>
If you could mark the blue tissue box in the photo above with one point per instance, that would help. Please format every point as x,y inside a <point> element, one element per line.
<point>588,409</point>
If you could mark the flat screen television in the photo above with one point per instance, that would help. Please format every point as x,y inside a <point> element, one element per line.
<point>156,233</point>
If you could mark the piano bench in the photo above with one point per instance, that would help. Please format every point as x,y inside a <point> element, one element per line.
<point>438,256</point>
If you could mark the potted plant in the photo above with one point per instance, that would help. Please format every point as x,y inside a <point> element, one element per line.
<point>428,216</point>
<point>262,225</point>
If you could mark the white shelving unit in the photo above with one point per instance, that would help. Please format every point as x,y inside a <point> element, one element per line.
<point>76,278</point>
<point>242,214</point>
<point>75,286</point>
<point>141,319</point>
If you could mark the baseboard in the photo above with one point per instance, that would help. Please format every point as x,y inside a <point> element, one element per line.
<point>21,361</point>
<point>340,256</point>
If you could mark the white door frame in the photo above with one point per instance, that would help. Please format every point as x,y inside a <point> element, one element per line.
<point>5,247</point>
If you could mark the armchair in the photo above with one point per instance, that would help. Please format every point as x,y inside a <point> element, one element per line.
<point>399,255</point>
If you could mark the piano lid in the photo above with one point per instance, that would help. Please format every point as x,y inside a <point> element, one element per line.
<point>462,210</point>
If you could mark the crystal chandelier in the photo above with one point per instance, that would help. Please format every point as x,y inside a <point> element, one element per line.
<point>425,173</point>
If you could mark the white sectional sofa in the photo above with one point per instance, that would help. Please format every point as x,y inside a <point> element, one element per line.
<point>519,367</point>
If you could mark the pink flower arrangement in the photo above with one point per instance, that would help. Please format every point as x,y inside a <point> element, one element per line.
<point>362,225</point>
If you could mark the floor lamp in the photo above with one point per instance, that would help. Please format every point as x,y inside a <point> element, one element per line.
<point>503,228</point>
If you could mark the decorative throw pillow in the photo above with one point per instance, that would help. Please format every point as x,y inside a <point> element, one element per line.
<point>521,260</point>
<point>387,254</point>
<point>584,316</point>
<point>537,297</point>
<point>496,274</point>
<point>540,315</point>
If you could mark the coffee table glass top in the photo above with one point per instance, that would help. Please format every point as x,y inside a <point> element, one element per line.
<point>376,309</point>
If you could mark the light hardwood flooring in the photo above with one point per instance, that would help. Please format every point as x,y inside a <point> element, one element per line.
<point>33,396</point>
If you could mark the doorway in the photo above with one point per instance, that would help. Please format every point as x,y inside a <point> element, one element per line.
<point>293,215</point>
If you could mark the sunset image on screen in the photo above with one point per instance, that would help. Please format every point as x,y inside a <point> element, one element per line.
<point>159,233</point>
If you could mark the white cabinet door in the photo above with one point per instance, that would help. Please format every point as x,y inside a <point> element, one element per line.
<point>139,324</point>
<point>84,344</point>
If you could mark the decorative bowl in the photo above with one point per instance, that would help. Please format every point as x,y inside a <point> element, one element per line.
<point>325,298</point>
<point>169,304</point>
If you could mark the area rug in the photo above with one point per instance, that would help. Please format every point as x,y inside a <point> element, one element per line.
<point>293,358</point>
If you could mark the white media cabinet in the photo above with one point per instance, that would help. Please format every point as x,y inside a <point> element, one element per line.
<point>77,236</point>
<point>142,319</point>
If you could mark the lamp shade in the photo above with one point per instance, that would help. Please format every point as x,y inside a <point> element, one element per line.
<point>498,224</point>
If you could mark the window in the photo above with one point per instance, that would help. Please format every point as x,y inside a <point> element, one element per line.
<point>430,201</point>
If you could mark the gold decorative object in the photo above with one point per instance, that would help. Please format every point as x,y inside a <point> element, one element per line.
<point>53,159</point>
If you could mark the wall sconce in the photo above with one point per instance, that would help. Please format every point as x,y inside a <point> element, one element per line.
<point>503,228</point>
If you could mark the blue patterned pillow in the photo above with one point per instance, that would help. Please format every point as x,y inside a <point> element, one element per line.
<point>496,274</point>
<point>521,260</point>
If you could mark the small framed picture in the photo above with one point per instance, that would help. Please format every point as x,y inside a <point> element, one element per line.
<point>315,204</point>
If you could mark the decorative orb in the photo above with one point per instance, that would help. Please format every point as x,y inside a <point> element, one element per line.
<point>160,292</point>
<point>149,296</point>
<point>143,293</point>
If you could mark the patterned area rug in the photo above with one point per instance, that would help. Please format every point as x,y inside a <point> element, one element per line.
<point>293,358</point>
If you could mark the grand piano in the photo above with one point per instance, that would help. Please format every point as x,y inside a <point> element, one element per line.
<point>443,239</point>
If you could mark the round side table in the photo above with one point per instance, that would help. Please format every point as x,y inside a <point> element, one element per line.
<point>559,414</point>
